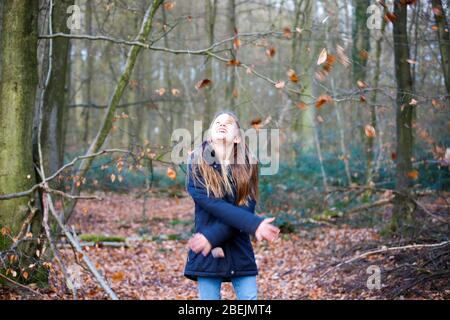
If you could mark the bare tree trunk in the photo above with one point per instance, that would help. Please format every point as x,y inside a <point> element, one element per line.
<point>89,74</point>
<point>17,101</point>
<point>306,52</point>
<point>360,50</point>
<point>444,41</point>
<point>55,104</point>
<point>231,90</point>
<point>373,108</point>
<point>211,7</point>
<point>168,80</point>
<point>402,214</point>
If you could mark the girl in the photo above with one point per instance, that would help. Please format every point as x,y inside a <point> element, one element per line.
<point>222,179</point>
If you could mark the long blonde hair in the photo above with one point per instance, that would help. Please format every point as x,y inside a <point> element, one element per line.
<point>243,169</point>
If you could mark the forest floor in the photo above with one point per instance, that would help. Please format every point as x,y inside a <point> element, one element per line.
<point>299,265</point>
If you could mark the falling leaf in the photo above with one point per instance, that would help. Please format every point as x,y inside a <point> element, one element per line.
<point>171,173</point>
<point>299,30</point>
<point>301,105</point>
<point>120,178</point>
<point>287,32</point>
<point>369,130</point>
<point>342,57</point>
<point>413,102</point>
<point>413,174</point>
<point>161,91</point>
<point>364,55</point>
<point>175,92</point>
<point>320,119</point>
<point>361,84</point>
<point>236,43</point>
<point>256,123</point>
<point>393,155</point>
<point>113,177</point>
<point>38,253</point>
<point>434,28</point>
<point>292,76</point>
<point>280,85</point>
<point>25,275</point>
<point>329,62</point>
<point>362,98</point>
<point>202,84</point>
<point>233,62</point>
<point>323,99</point>
<point>410,61</point>
<point>235,93</point>
<point>390,16</point>
<point>169,5</point>
<point>322,57</point>
<point>271,52</point>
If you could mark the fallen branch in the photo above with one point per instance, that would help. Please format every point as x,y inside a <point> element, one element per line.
<point>378,203</point>
<point>21,285</point>
<point>385,249</point>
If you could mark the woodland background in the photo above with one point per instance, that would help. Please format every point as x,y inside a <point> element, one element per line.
<point>91,206</point>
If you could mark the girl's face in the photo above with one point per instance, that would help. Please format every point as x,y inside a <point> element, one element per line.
<point>224,129</point>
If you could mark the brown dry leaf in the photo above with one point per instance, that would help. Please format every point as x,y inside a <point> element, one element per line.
<point>301,105</point>
<point>171,173</point>
<point>323,99</point>
<point>413,174</point>
<point>342,57</point>
<point>390,16</point>
<point>322,57</point>
<point>271,52</point>
<point>161,91</point>
<point>369,130</point>
<point>202,84</point>
<point>287,32</point>
<point>256,123</point>
<point>169,5</point>
<point>236,43</point>
<point>361,84</point>
<point>113,177</point>
<point>233,62</point>
<point>292,75</point>
<point>364,55</point>
<point>175,92</point>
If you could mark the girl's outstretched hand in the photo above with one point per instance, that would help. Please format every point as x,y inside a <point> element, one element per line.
<point>266,230</point>
<point>199,243</point>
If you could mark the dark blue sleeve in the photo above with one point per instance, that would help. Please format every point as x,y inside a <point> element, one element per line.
<point>218,232</point>
<point>228,213</point>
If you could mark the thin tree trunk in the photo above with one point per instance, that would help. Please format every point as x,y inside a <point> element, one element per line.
<point>55,98</point>
<point>360,50</point>
<point>402,213</point>
<point>373,108</point>
<point>444,41</point>
<point>211,6</point>
<point>89,74</point>
<point>231,90</point>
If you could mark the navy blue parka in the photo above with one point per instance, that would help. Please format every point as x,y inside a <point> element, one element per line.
<point>225,225</point>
